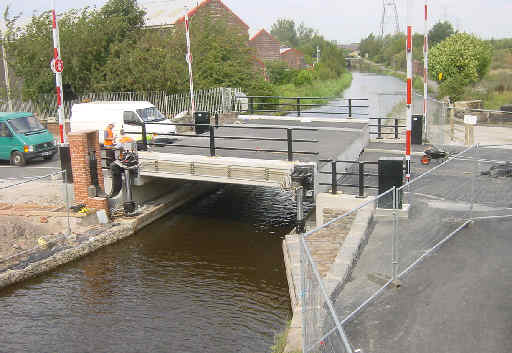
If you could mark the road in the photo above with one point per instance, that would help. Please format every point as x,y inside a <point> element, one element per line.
<point>10,174</point>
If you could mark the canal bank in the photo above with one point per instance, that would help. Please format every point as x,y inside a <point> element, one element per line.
<point>57,249</point>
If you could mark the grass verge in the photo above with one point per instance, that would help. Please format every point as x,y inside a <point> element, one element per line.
<point>280,340</point>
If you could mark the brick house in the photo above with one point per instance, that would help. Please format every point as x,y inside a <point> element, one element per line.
<point>293,58</point>
<point>165,15</point>
<point>266,46</point>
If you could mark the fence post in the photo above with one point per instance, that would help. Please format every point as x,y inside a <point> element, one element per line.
<point>289,136</point>
<point>298,106</point>
<point>361,179</point>
<point>379,128</point>
<point>349,107</point>
<point>144,138</point>
<point>68,205</point>
<point>212,141</point>
<point>396,128</point>
<point>452,122</point>
<point>334,178</point>
<point>251,105</point>
<point>217,120</point>
<point>299,193</point>
<point>394,247</point>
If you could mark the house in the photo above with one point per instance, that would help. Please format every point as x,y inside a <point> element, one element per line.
<point>293,58</point>
<point>165,15</point>
<point>266,46</point>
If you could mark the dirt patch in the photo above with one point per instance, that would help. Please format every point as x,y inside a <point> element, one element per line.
<point>34,210</point>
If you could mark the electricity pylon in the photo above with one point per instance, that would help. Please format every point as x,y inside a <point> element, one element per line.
<point>389,14</point>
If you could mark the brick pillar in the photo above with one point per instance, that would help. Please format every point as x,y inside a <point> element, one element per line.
<point>80,143</point>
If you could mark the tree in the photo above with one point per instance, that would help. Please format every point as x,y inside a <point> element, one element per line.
<point>439,32</point>
<point>86,38</point>
<point>462,59</point>
<point>284,30</point>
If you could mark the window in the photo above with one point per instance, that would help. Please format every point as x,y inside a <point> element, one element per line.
<point>4,130</point>
<point>130,118</point>
<point>150,114</point>
<point>25,124</point>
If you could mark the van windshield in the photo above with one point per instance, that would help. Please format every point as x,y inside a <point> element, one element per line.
<point>25,124</point>
<point>150,114</point>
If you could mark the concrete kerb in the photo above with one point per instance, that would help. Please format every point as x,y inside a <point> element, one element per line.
<point>349,252</point>
<point>124,229</point>
<point>340,270</point>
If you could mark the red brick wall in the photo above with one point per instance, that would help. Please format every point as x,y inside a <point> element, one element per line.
<point>294,59</point>
<point>215,9</point>
<point>80,143</point>
<point>266,46</point>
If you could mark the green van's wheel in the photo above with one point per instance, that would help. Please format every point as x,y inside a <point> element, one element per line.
<point>18,159</point>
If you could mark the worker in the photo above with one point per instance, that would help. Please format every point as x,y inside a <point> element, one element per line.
<point>108,142</point>
<point>108,137</point>
<point>124,139</point>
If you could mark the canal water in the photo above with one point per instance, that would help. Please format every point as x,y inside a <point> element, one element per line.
<point>209,277</point>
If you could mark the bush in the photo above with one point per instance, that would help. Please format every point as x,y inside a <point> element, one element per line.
<point>304,77</point>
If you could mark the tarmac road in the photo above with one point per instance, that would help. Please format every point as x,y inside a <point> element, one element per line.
<point>457,300</point>
<point>35,168</point>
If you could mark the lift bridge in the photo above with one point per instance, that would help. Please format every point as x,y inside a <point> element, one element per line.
<point>260,150</point>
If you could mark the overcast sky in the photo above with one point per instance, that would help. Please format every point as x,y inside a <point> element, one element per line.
<point>346,21</point>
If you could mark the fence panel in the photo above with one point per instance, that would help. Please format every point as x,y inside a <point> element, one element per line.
<point>435,205</point>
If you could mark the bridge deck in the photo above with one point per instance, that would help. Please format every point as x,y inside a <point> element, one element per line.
<point>336,138</point>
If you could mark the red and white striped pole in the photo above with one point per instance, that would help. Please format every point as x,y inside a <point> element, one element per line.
<point>409,92</point>
<point>189,61</point>
<point>57,67</point>
<point>425,69</point>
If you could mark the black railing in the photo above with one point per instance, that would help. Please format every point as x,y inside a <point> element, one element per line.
<point>381,124</point>
<point>337,177</point>
<point>271,104</point>
<point>213,139</point>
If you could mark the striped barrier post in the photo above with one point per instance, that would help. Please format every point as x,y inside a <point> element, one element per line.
<point>425,70</point>
<point>409,92</point>
<point>57,66</point>
<point>189,61</point>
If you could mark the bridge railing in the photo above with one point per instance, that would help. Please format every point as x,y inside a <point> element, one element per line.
<point>383,127</point>
<point>339,179</point>
<point>302,105</point>
<point>213,139</point>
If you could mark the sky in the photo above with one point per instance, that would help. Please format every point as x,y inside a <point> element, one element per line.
<point>341,20</point>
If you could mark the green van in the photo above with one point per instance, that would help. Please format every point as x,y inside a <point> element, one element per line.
<point>22,138</point>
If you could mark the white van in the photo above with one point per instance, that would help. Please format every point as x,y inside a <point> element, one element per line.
<point>129,115</point>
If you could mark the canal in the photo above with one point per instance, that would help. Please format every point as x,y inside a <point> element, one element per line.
<point>209,277</point>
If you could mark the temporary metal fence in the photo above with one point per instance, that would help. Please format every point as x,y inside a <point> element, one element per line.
<point>397,231</point>
<point>303,105</point>
<point>220,100</point>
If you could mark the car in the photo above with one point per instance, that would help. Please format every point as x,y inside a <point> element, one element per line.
<point>23,138</point>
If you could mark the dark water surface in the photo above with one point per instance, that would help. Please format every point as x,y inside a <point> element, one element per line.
<point>208,278</point>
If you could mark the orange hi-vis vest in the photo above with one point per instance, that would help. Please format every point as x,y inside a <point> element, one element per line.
<point>125,139</point>
<point>108,141</point>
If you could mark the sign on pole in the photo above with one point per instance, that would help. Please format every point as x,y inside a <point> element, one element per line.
<point>57,66</point>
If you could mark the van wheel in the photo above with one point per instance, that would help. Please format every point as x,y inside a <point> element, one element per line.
<point>18,159</point>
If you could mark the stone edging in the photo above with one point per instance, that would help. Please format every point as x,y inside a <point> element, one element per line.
<point>349,252</point>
